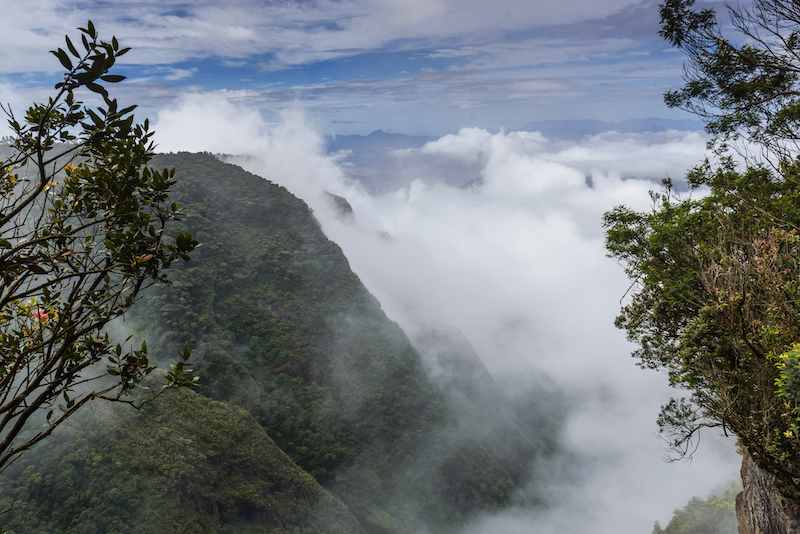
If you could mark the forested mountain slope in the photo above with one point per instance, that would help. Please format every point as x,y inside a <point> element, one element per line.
<point>301,357</point>
<point>282,327</point>
<point>183,464</point>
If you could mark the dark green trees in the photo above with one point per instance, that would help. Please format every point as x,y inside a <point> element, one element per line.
<point>715,304</point>
<point>716,272</point>
<point>81,222</point>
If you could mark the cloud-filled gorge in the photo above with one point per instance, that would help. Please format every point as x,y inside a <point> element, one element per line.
<point>514,260</point>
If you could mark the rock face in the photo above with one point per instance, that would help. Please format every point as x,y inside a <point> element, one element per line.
<point>758,507</point>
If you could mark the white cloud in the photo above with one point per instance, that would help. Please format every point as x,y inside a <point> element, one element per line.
<point>30,29</point>
<point>11,97</point>
<point>519,266</point>
<point>291,148</point>
<point>179,74</point>
<point>646,155</point>
<point>297,32</point>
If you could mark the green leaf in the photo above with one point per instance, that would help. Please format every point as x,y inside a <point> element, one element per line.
<point>72,48</point>
<point>98,122</point>
<point>96,88</point>
<point>63,58</point>
<point>36,269</point>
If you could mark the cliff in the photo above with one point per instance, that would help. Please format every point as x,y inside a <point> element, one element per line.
<point>760,508</point>
<point>282,327</point>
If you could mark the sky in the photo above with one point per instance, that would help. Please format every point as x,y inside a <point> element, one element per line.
<point>516,261</point>
<point>420,67</point>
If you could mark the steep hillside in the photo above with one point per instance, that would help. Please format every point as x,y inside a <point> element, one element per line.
<point>183,464</point>
<point>284,329</point>
<point>520,432</point>
<point>319,389</point>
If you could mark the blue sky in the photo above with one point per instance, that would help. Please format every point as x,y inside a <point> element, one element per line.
<point>412,66</point>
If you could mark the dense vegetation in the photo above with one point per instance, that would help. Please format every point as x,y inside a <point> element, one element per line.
<point>714,299</point>
<point>183,464</point>
<point>716,306</point>
<point>283,329</point>
<point>714,515</point>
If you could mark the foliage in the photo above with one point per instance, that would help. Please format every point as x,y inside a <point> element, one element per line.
<point>715,275</point>
<point>283,328</point>
<point>181,464</point>
<point>745,85</point>
<point>715,304</point>
<point>714,515</point>
<point>787,386</point>
<point>81,234</point>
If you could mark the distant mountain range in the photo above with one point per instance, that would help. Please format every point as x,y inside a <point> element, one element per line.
<point>562,130</point>
<point>370,159</point>
<point>376,140</point>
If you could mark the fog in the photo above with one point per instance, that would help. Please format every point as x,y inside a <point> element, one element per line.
<point>516,262</point>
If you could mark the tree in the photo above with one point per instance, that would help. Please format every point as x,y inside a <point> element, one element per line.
<point>716,272</point>
<point>714,515</point>
<point>82,222</point>
<point>745,88</point>
<point>715,303</point>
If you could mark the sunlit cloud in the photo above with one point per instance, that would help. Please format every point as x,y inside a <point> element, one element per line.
<point>179,74</point>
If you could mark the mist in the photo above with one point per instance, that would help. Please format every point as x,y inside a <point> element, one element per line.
<point>515,261</point>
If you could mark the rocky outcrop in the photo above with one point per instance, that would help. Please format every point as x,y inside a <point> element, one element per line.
<point>759,507</point>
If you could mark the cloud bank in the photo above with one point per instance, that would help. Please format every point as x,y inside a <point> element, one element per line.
<point>516,263</point>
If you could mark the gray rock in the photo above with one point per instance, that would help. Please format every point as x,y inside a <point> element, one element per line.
<point>758,507</point>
